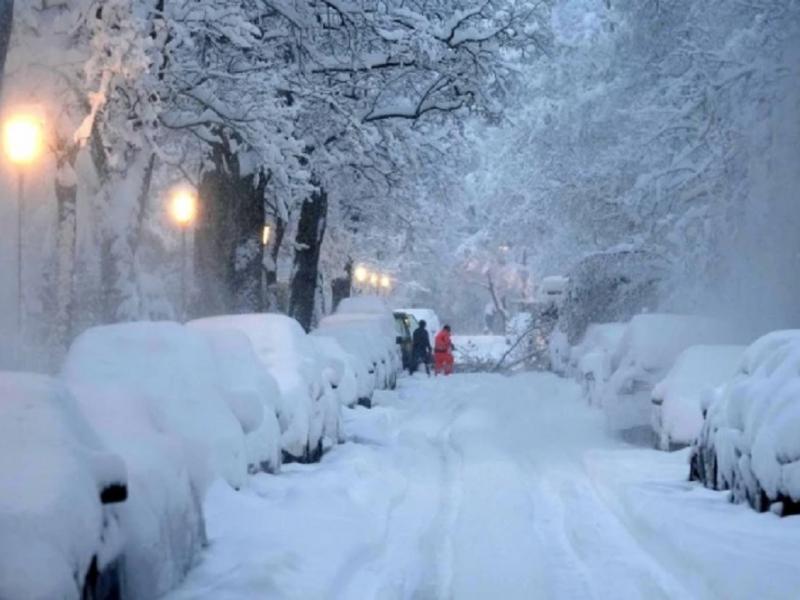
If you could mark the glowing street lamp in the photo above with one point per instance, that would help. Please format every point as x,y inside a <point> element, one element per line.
<point>22,143</point>
<point>386,282</point>
<point>266,232</point>
<point>183,210</point>
<point>361,274</point>
<point>374,280</point>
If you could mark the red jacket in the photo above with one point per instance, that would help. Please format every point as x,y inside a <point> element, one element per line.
<point>442,342</point>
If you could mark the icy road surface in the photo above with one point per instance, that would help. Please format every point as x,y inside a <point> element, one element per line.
<point>481,486</point>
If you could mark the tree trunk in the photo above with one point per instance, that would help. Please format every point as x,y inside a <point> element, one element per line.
<point>66,190</point>
<point>308,242</point>
<point>271,266</point>
<point>342,286</point>
<point>228,252</point>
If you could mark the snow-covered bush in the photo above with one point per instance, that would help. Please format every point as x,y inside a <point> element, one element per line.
<point>252,394</point>
<point>608,287</point>
<point>590,359</point>
<point>291,359</point>
<point>171,372</point>
<point>647,350</point>
<point>59,534</point>
<point>750,439</point>
<point>677,412</point>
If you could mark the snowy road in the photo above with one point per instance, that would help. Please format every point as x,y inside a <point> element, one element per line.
<point>488,487</point>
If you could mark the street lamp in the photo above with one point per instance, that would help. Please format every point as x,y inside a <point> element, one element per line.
<point>361,274</point>
<point>183,209</point>
<point>265,234</point>
<point>386,282</point>
<point>374,280</point>
<point>22,143</point>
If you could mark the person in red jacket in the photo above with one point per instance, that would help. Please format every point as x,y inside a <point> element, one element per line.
<point>443,360</point>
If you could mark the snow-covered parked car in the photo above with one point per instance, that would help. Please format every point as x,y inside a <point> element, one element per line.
<point>365,327</point>
<point>152,393</point>
<point>647,350</point>
<point>341,369</point>
<point>590,359</point>
<point>750,439</point>
<point>309,414</point>
<point>172,372</point>
<point>59,527</point>
<point>432,322</point>
<point>677,399</point>
<point>252,394</point>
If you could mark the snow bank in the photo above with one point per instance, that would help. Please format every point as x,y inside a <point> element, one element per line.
<point>170,372</point>
<point>478,352</point>
<point>252,394</point>
<point>53,469</point>
<point>286,351</point>
<point>750,440</point>
<point>677,412</point>
<point>648,348</point>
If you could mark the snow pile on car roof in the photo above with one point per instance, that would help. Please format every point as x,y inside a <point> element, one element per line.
<point>52,472</point>
<point>284,349</point>
<point>171,371</point>
<point>750,441</point>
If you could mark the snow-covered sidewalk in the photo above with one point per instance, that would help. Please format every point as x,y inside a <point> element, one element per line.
<point>483,486</point>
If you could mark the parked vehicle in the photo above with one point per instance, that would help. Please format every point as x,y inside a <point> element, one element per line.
<point>750,439</point>
<point>646,351</point>
<point>405,325</point>
<point>309,411</point>
<point>59,525</point>
<point>590,359</point>
<point>677,412</point>
<point>428,315</point>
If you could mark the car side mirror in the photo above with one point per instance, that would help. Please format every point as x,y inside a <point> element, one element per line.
<point>399,339</point>
<point>114,493</point>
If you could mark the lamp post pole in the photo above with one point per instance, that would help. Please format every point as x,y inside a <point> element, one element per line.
<point>20,205</point>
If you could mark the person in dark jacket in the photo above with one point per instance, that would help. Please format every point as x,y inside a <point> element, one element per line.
<point>420,348</point>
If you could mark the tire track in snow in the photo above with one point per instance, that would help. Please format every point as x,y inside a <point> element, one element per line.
<point>367,568</point>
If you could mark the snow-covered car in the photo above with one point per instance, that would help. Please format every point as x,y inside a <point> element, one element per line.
<point>309,414</point>
<point>590,359</point>
<point>750,439</point>
<point>172,371</point>
<point>59,527</point>
<point>433,324</point>
<point>252,394</point>
<point>341,369</point>
<point>677,399</point>
<point>647,350</point>
<point>371,318</point>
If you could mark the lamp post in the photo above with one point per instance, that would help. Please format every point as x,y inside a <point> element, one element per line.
<point>361,275</point>
<point>386,284</point>
<point>183,209</point>
<point>22,142</point>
